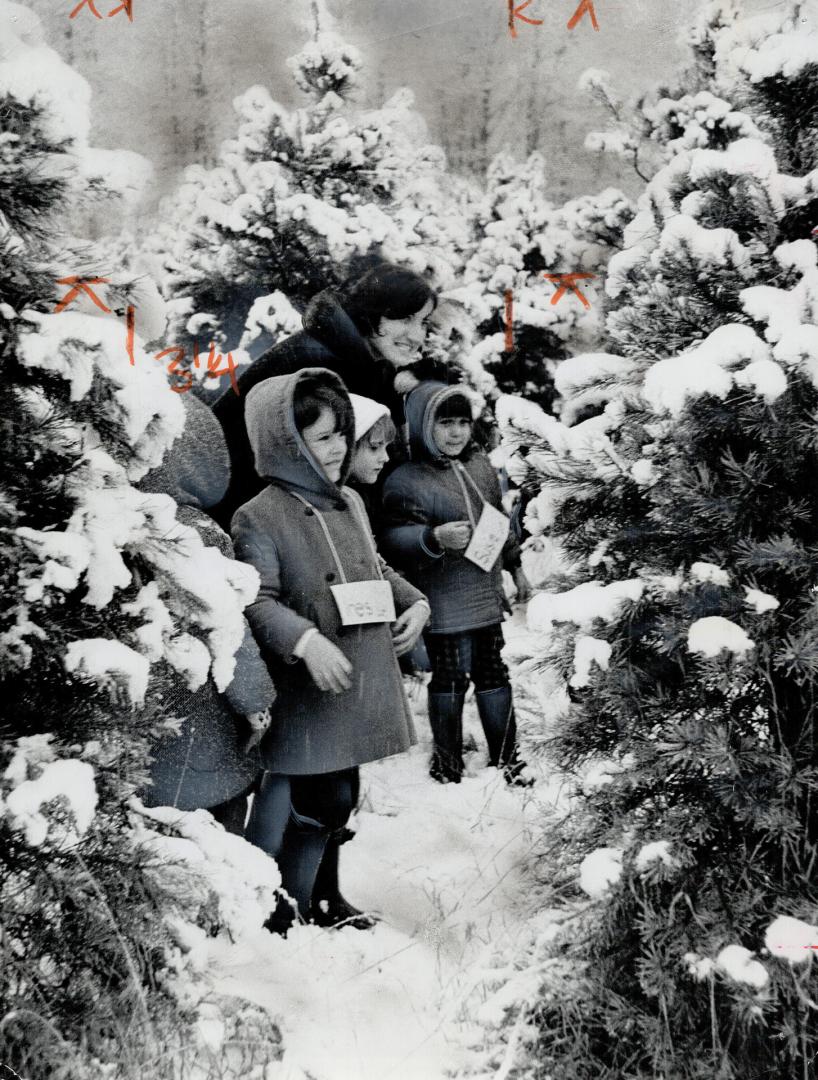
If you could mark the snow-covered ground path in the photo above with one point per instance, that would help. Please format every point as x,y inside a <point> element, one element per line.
<point>449,869</point>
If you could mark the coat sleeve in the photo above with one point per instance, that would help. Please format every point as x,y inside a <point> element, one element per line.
<point>277,628</point>
<point>407,533</point>
<point>405,593</point>
<point>252,688</point>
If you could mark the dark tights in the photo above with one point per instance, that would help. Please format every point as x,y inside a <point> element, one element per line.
<point>323,801</point>
<point>473,654</point>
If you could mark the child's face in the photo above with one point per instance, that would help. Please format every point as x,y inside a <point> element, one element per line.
<point>368,460</point>
<point>326,443</point>
<point>451,434</point>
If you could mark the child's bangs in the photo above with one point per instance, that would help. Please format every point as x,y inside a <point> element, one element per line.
<point>455,406</point>
<point>312,396</point>
<point>383,432</point>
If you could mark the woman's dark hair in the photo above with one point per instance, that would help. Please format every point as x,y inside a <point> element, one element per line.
<point>314,394</point>
<point>456,405</point>
<point>385,292</point>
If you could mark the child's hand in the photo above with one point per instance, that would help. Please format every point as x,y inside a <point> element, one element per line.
<point>329,668</point>
<point>454,535</point>
<point>406,630</point>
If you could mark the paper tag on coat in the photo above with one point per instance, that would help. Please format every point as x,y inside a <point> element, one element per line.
<point>488,539</point>
<point>362,602</point>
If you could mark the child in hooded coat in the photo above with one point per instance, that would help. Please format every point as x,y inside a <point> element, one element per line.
<point>205,766</point>
<point>431,506</point>
<point>375,431</point>
<point>340,696</point>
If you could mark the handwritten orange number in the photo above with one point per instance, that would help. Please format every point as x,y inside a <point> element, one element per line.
<point>213,371</point>
<point>173,368</point>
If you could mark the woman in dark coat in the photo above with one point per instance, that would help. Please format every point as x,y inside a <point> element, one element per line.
<point>340,695</point>
<point>367,335</point>
<point>205,766</point>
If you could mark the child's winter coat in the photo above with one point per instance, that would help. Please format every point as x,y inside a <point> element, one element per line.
<point>427,492</point>
<point>205,764</point>
<point>313,731</point>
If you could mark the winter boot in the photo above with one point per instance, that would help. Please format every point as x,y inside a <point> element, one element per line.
<point>302,850</point>
<point>496,711</point>
<point>446,721</point>
<point>329,908</point>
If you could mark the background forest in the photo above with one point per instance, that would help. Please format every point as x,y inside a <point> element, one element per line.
<point>164,86</point>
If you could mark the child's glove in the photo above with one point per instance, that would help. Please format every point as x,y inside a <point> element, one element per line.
<point>329,668</point>
<point>454,535</point>
<point>406,630</point>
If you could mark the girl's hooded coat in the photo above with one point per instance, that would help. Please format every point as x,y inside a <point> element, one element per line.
<point>427,492</point>
<point>313,731</point>
<point>205,764</point>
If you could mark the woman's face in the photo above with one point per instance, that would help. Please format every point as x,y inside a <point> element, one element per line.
<point>368,460</point>
<point>399,340</point>
<point>326,443</point>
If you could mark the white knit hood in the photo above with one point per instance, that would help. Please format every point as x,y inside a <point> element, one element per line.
<point>367,413</point>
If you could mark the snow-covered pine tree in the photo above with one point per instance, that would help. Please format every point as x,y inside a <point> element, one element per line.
<point>700,110</point>
<point>517,236</point>
<point>676,641</point>
<point>103,595</point>
<point>301,194</point>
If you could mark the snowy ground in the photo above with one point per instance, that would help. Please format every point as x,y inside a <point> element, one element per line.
<point>448,869</point>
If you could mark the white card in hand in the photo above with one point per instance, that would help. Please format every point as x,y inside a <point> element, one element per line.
<point>488,539</point>
<point>362,602</point>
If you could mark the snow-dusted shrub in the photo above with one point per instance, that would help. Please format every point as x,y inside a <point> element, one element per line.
<point>517,235</point>
<point>686,517</point>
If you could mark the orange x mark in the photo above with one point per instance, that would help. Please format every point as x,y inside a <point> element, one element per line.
<point>81,285</point>
<point>126,6</point>
<point>566,282</point>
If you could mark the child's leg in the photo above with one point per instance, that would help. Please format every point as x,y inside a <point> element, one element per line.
<point>270,813</point>
<point>495,704</point>
<point>232,814</point>
<point>329,908</point>
<point>321,806</point>
<point>450,658</point>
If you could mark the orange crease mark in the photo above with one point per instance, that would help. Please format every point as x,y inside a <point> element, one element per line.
<point>514,13</point>
<point>509,317</point>
<point>585,8</point>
